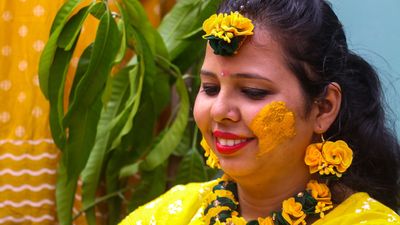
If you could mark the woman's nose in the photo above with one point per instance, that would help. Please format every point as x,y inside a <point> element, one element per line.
<point>225,108</point>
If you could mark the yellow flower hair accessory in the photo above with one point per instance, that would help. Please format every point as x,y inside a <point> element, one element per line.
<point>226,32</point>
<point>212,159</point>
<point>329,158</point>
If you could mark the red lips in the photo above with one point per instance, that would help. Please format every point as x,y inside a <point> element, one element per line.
<point>230,143</point>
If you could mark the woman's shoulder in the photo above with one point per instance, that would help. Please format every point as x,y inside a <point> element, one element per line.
<point>176,206</point>
<point>360,208</point>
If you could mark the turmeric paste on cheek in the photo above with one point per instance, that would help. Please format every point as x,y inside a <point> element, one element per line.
<point>274,124</point>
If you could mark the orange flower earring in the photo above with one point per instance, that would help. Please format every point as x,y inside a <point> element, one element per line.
<point>329,158</point>
<point>212,159</point>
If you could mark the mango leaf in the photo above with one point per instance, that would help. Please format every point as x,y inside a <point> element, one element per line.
<point>153,184</point>
<point>59,70</point>
<point>84,111</point>
<point>183,21</point>
<point>91,173</point>
<point>172,137</point>
<point>47,56</point>
<point>63,14</point>
<point>81,69</point>
<point>146,66</point>
<point>122,50</point>
<point>98,10</point>
<point>184,145</point>
<point>137,17</point>
<point>191,168</point>
<point>122,123</point>
<point>65,195</point>
<point>72,28</point>
<point>117,160</point>
<point>129,170</point>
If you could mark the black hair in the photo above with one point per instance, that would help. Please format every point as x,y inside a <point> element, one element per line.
<point>316,50</point>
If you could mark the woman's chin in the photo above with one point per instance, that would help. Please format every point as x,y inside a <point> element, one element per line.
<point>238,168</point>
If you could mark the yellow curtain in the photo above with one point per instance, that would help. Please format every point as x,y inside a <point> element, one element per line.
<point>28,156</point>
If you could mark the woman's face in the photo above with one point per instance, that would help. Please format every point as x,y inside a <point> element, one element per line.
<point>233,91</point>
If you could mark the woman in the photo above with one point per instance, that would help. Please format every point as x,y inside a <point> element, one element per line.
<point>293,118</point>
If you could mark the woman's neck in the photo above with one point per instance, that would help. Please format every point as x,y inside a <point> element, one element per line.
<point>259,199</point>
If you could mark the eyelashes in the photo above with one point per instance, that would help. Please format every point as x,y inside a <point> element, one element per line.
<point>210,90</point>
<point>251,93</point>
<point>255,93</point>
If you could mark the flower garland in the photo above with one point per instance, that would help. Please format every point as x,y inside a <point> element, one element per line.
<point>226,32</point>
<point>328,158</point>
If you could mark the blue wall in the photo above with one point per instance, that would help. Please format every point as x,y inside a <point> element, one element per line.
<point>373,31</point>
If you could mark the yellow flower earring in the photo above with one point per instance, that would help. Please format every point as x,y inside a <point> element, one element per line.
<point>212,159</point>
<point>329,158</point>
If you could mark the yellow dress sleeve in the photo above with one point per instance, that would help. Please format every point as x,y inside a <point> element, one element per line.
<point>361,209</point>
<point>178,206</point>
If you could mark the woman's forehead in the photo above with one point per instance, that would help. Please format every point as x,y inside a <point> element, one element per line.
<point>258,50</point>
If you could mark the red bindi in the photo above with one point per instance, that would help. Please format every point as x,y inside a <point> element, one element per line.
<point>224,73</point>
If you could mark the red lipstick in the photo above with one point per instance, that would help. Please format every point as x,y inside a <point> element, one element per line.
<point>229,148</point>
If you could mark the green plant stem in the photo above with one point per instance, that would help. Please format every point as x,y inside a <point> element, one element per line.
<point>196,130</point>
<point>102,199</point>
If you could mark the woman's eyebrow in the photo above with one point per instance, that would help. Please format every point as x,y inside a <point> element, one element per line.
<point>207,73</point>
<point>237,75</point>
<point>250,76</point>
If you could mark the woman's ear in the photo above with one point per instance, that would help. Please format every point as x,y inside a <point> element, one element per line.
<point>327,108</point>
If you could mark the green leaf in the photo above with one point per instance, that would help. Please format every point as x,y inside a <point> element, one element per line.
<point>105,48</point>
<point>191,168</point>
<point>137,17</point>
<point>152,184</point>
<point>84,110</point>
<point>91,173</point>
<point>63,14</point>
<point>122,50</point>
<point>72,28</point>
<point>173,135</point>
<point>129,170</point>
<point>184,145</point>
<point>98,10</point>
<point>58,70</point>
<point>81,69</point>
<point>47,56</point>
<point>65,194</point>
<point>182,22</point>
<point>145,68</point>
<point>117,160</point>
<point>82,133</point>
<point>122,123</point>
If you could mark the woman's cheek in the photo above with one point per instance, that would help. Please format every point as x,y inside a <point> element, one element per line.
<point>272,125</point>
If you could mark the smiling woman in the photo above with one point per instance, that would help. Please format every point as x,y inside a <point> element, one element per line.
<point>293,118</point>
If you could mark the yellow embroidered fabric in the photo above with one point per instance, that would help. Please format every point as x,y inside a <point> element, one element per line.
<point>182,205</point>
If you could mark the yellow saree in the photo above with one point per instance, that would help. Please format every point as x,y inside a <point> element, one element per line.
<point>182,205</point>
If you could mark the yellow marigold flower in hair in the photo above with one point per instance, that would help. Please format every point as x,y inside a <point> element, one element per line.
<point>292,212</point>
<point>226,26</point>
<point>226,32</point>
<point>337,154</point>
